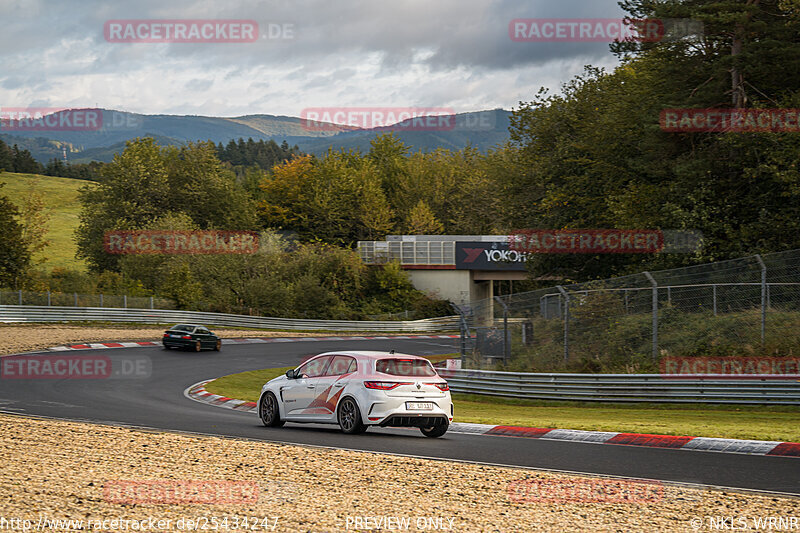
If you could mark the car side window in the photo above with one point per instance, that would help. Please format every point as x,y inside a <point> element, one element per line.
<point>315,367</point>
<point>341,364</point>
<point>202,331</point>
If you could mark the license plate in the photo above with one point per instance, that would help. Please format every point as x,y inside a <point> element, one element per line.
<point>175,336</point>
<point>419,406</point>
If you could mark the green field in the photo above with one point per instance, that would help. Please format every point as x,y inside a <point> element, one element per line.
<point>733,422</point>
<point>61,196</point>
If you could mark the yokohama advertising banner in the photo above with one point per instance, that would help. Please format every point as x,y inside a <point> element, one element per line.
<point>488,256</point>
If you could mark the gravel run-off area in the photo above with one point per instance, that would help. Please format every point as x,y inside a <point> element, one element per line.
<point>28,338</point>
<point>57,470</point>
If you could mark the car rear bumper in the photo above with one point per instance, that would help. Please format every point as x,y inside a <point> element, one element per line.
<point>179,343</point>
<point>390,411</point>
<point>414,421</point>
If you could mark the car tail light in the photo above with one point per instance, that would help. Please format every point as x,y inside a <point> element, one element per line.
<point>383,385</point>
<point>186,337</point>
<point>444,387</point>
<point>166,334</point>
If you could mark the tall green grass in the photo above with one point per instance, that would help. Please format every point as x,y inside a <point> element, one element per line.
<point>623,343</point>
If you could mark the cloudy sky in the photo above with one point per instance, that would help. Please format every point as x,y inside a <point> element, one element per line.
<point>447,53</point>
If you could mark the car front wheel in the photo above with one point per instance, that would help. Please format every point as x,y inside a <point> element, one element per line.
<point>350,417</point>
<point>269,412</point>
<point>198,346</point>
<point>436,430</point>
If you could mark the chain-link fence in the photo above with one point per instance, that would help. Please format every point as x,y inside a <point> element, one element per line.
<point>73,299</point>
<point>741,307</point>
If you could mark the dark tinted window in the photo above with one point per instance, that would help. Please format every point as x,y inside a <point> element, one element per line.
<point>315,367</point>
<point>183,327</point>
<point>342,364</point>
<point>405,367</point>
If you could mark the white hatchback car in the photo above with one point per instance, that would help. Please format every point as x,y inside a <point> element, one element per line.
<point>358,390</point>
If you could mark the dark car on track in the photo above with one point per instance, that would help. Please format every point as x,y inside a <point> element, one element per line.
<point>190,336</point>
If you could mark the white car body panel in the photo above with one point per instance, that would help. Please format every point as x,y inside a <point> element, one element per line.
<point>315,399</point>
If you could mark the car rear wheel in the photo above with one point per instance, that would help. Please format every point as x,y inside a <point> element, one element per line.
<point>198,346</point>
<point>218,346</point>
<point>269,412</point>
<point>349,417</point>
<point>437,430</point>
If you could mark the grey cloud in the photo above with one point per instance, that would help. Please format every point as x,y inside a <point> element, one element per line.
<point>453,47</point>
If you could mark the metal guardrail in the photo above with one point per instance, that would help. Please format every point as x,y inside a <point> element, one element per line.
<point>629,388</point>
<point>28,313</point>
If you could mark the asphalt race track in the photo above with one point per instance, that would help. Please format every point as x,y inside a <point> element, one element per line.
<point>157,401</point>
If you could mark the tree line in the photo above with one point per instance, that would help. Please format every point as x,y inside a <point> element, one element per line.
<point>590,156</point>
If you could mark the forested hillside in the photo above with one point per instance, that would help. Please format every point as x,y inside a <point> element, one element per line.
<point>590,156</point>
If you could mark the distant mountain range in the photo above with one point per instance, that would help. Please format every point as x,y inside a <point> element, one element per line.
<point>481,129</point>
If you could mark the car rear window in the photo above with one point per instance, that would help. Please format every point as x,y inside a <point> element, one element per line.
<point>405,367</point>
<point>182,327</point>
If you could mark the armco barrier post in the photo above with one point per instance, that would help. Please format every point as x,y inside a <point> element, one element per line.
<point>125,301</point>
<point>763,297</point>
<point>151,303</point>
<point>506,339</point>
<point>566,320</point>
<point>464,327</point>
<point>101,299</point>
<point>48,298</point>
<point>75,294</point>
<point>714,298</point>
<point>655,314</point>
<point>20,297</point>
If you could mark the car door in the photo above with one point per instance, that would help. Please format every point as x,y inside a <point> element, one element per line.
<point>297,394</point>
<point>205,337</point>
<point>329,386</point>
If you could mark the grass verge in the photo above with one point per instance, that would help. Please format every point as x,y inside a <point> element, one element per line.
<point>60,196</point>
<point>722,421</point>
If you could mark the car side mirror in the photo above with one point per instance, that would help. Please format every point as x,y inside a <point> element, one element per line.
<point>290,374</point>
